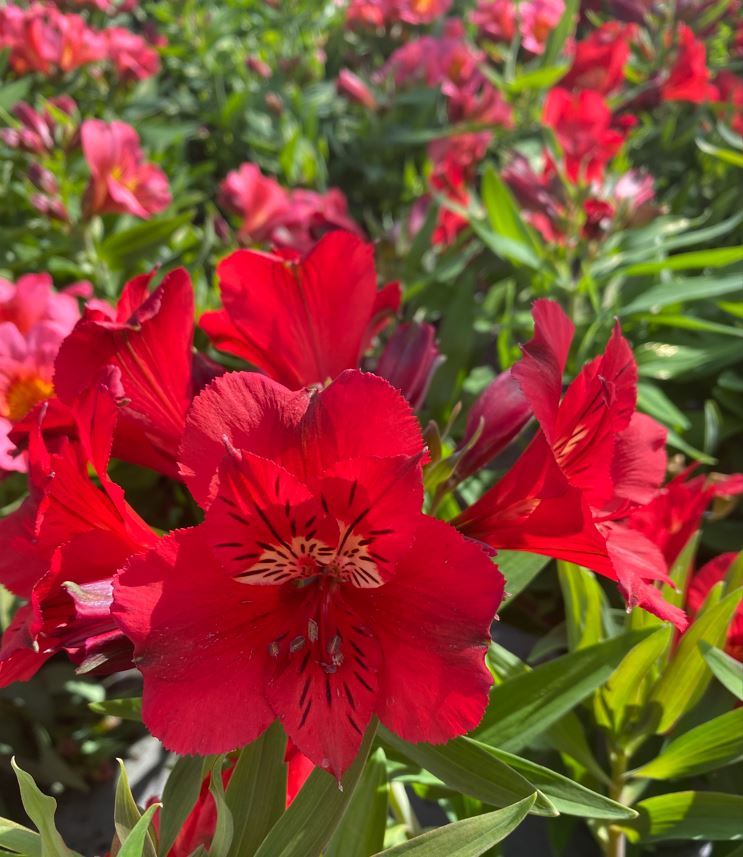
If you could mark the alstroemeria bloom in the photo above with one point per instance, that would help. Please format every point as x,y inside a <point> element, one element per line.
<point>315,591</point>
<point>301,321</point>
<point>130,54</point>
<point>592,462</point>
<point>409,360</point>
<point>537,19</point>
<point>260,200</point>
<point>122,182</point>
<point>701,582</point>
<point>600,58</point>
<point>689,79</point>
<point>582,125</point>
<point>149,340</point>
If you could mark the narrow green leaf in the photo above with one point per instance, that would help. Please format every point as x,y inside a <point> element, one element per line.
<point>223,829</point>
<point>361,832</point>
<point>685,679</point>
<point>557,38</point>
<point>715,258</point>
<point>727,156</point>
<point>504,215</point>
<point>310,821</point>
<point>127,814</point>
<point>583,599</point>
<point>469,838</point>
<point>41,808</point>
<point>134,844</point>
<point>568,736</point>
<point>179,798</point>
<point>126,709</point>
<point>15,91</point>
<point>726,669</point>
<point>652,400</point>
<point>137,242</point>
<point>712,745</point>
<point>472,768</point>
<point>567,796</point>
<point>256,792</point>
<point>528,704</point>
<point>18,839</point>
<point>682,291</point>
<point>688,815</point>
<point>519,569</point>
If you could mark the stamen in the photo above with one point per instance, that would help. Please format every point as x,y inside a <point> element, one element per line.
<point>296,644</point>
<point>312,630</point>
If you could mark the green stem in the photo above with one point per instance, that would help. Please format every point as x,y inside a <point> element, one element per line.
<point>616,842</point>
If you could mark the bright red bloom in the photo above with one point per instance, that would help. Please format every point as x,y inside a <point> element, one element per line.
<point>593,460</point>
<point>122,182</point>
<point>409,360</point>
<point>495,19</point>
<point>259,199</point>
<point>582,124</point>
<point>449,181</point>
<point>600,58</point>
<point>701,583</point>
<point>312,215</point>
<point>689,79</point>
<point>377,13</point>
<point>130,54</point>
<point>599,216</point>
<point>730,93</point>
<point>315,591</point>
<point>541,196</point>
<point>537,19</point>
<point>150,342</point>
<point>301,321</point>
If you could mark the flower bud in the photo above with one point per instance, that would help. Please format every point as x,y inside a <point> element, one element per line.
<point>355,89</point>
<point>257,66</point>
<point>274,103</point>
<point>409,360</point>
<point>42,179</point>
<point>499,414</point>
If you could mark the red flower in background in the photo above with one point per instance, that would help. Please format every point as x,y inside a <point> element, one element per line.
<point>260,200</point>
<point>122,182</point>
<point>599,59</point>
<point>315,591</point>
<point>130,54</point>
<point>305,320</point>
<point>409,360</point>
<point>149,341</point>
<point>701,583</point>
<point>354,88</point>
<point>730,93</point>
<point>537,19</point>
<point>689,79</point>
<point>582,125</point>
<point>378,13</point>
<point>592,462</point>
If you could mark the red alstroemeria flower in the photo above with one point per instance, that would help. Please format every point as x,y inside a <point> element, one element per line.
<point>122,182</point>
<point>600,58</point>
<point>689,79</point>
<point>703,580</point>
<point>130,54</point>
<point>409,360</point>
<point>259,199</point>
<point>65,543</point>
<point>593,461</point>
<point>582,125</point>
<point>301,321</point>
<point>315,591</point>
<point>354,88</point>
<point>150,342</point>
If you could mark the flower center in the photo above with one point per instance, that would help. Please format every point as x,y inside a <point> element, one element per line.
<point>24,393</point>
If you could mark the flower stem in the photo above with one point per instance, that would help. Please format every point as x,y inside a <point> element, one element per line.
<point>616,842</point>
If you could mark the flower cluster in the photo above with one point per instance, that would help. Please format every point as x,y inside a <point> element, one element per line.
<point>43,39</point>
<point>315,591</point>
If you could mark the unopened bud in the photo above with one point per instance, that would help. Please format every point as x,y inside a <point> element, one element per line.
<point>409,360</point>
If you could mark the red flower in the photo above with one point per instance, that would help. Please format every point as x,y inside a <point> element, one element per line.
<point>132,57</point>
<point>593,460</point>
<point>409,360</point>
<point>150,342</point>
<point>258,199</point>
<point>354,88</point>
<point>448,180</point>
<point>701,583</point>
<point>582,124</point>
<point>121,181</point>
<point>301,321</point>
<point>600,58</point>
<point>689,76</point>
<point>599,216</point>
<point>730,93</point>
<point>315,591</point>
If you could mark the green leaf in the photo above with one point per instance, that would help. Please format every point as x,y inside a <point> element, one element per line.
<point>688,815</point>
<point>41,808</point>
<point>134,844</point>
<point>138,242</point>
<point>127,709</point>
<point>652,400</point>
<point>469,838</point>
<point>727,156</point>
<point>310,821</point>
<point>223,830</point>
<point>726,669</point>
<point>471,768</point>
<point>18,839</point>
<point>569,737</point>
<point>519,569</point>
<point>682,290</point>
<point>15,91</point>
<point>567,796</point>
<point>665,360</point>
<point>583,599</point>
<point>127,814</point>
<point>716,258</point>
<point>361,832</point>
<point>712,745</point>
<point>504,215</point>
<point>540,78</point>
<point>179,797</point>
<point>685,679</point>
<point>523,707</point>
<point>256,792</point>
<point>559,36</point>
<point>624,693</point>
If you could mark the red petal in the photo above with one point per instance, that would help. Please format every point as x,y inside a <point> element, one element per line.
<point>19,661</point>
<point>202,643</point>
<point>432,621</point>
<point>708,575</point>
<point>639,463</point>
<point>302,323</point>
